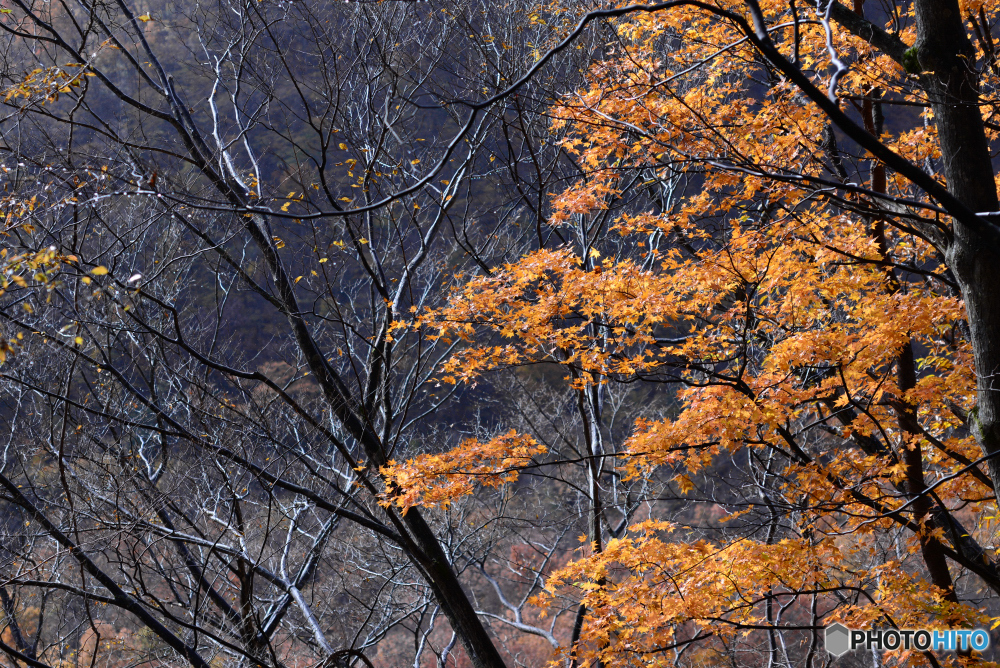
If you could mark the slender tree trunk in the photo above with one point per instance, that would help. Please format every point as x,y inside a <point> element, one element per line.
<point>930,548</point>
<point>906,375</point>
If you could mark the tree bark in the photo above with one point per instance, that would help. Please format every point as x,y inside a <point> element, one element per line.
<point>946,55</point>
<point>912,456</point>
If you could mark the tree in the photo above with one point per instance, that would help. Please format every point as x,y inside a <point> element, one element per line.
<point>814,273</point>
<point>225,215</point>
<point>238,382</point>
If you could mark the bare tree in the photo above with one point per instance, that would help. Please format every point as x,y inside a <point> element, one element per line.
<point>254,196</point>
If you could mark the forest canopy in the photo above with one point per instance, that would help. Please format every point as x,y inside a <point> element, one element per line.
<point>457,333</point>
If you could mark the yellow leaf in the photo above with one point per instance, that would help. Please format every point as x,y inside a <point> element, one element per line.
<point>145,17</point>
<point>684,483</point>
<point>99,271</point>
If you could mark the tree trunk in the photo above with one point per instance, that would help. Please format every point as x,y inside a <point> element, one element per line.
<point>945,54</point>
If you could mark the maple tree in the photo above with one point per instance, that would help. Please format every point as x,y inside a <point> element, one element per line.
<point>809,257</point>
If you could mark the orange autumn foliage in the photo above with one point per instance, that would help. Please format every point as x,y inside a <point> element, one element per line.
<point>433,480</point>
<point>651,587</point>
<point>789,314</point>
